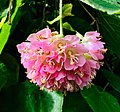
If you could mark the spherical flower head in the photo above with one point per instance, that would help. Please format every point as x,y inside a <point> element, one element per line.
<point>57,63</point>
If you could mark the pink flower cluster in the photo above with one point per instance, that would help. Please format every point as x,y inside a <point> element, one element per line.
<point>58,63</point>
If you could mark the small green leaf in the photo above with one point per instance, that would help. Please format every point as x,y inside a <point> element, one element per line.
<point>112,78</point>
<point>100,101</point>
<point>109,6</point>
<point>67,26</point>
<point>67,9</point>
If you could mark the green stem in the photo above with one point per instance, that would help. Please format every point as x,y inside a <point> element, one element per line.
<point>60,14</point>
<point>10,12</point>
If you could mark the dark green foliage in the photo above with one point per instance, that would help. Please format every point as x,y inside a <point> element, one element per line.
<point>27,97</point>
<point>100,101</point>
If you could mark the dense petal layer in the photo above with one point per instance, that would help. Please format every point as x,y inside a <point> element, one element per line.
<point>57,63</point>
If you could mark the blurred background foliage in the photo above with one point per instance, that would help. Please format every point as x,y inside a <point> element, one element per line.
<point>19,18</point>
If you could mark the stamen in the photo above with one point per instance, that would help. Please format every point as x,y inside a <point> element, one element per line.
<point>33,73</point>
<point>31,81</point>
<point>79,73</point>
<point>42,87</point>
<point>47,52</point>
<point>70,53</point>
<point>65,92</point>
<point>54,33</point>
<point>92,77</point>
<point>89,85</point>
<point>26,50</point>
<point>56,83</point>
<point>60,47</point>
<point>71,61</point>
<point>51,63</point>
<point>76,59</point>
<point>40,37</point>
<point>43,80</point>
<point>40,52</point>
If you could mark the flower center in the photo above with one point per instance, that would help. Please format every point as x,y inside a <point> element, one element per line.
<point>60,47</point>
<point>26,50</point>
<point>51,63</point>
<point>73,57</point>
<point>40,52</point>
<point>39,37</point>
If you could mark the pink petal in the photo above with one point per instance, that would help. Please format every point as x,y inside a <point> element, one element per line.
<point>81,49</point>
<point>54,75</point>
<point>92,33</point>
<point>81,61</point>
<point>96,55</point>
<point>73,39</point>
<point>71,76</point>
<point>46,32</point>
<point>61,75</point>
<point>92,63</point>
<point>86,68</point>
<point>32,37</point>
<point>24,45</point>
<point>67,65</point>
<point>78,80</point>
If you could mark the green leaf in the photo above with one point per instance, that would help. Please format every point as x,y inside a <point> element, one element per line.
<point>28,98</point>
<point>6,28</point>
<point>100,101</point>
<point>9,70</point>
<point>109,27</point>
<point>67,26</point>
<point>74,102</point>
<point>112,78</point>
<point>109,6</point>
<point>54,105</point>
<point>67,9</point>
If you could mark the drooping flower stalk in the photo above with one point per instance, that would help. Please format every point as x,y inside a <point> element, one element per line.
<point>60,14</point>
